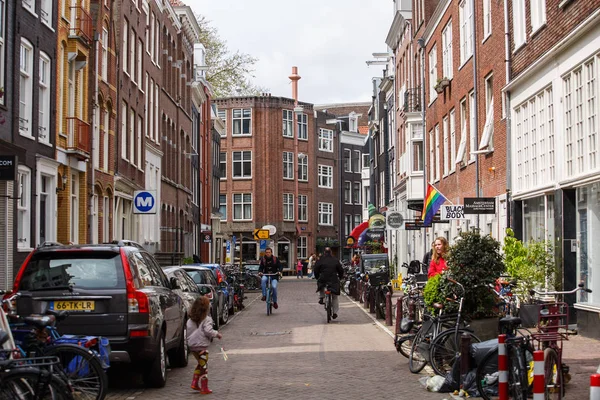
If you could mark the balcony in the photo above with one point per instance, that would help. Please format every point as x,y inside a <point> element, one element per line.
<point>81,24</point>
<point>412,100</point>
<point>78,134</point>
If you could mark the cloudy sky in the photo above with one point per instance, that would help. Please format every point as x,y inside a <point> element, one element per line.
<point>328,40</point>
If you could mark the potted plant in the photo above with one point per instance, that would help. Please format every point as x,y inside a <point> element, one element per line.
<point>533,267</point>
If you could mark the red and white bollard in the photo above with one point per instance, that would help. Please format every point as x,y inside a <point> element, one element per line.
<point>595,387</point>
<point>502,369</point>
<point>539,379</point>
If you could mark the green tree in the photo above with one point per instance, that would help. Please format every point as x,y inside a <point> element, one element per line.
<point>229,73</point>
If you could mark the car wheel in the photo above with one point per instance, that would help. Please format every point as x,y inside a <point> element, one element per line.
<point>224,312</point>
<point>156,374</point>
<point>215,316</point>
<point>179,356</point>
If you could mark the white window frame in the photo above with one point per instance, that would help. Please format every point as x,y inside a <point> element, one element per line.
<point>124,118</point>
<point>106,139</point>
<point>462,147</point>
<point>326,140</point>
<point>125,47</point>
<point>487,19</point>
<point>472,128</point>
<point>431,155</point>
<point>347,192</point>
<point>131,135</point>
<point>417,152</point>
<point>326,214</point>
<point>303,168</point>
<point>245,158</point>
<point>238,117</point>
<point>347,161</point>
<point>132,58</point>
<point>46,12</point>
<point>29,5</point>
<point>446,146</point>
<point>139,53</point>
<point>106,220</point>
<point>356,192</point>
<point>288,123</point>
<point>223,205</point>
<point>223,115</point>
<point>74,193</point>
<point>466,31</point>
<point>537,9</point>
<point>518,21</point>
<point>104,73</point>
<point>452,141</point>
<point>23,208</point>
<point>44,98</point>
<point>288,165</point>
<point>355,162</point>
<point>301,247</point>
<point>140,127</point>
<point>302,208</point>
<point>26,89</point>
<point>302,127</point>
<point>432,74</point>
<point>438,160</point>
<point>447,58</point>
<point>325,176</point>
<point>223,165</point>
<point>241,200</point>
<point>288,206</point>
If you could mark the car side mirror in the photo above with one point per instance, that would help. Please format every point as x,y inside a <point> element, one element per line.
<point>204,290</point>
<point>174,283</point>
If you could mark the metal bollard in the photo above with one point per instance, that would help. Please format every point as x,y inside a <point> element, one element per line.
<point>372,299</point>
<point>388,309</point>
<point>465,348</point>
<point>398,314</point>
<point>595,387</point>
<point>539,379</point>
<point>502,369</point>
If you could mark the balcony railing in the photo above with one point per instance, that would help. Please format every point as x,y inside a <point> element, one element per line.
<point>412,100</point>
<point>78,134</point>
<point>82,26</point>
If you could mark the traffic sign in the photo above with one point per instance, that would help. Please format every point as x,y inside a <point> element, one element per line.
<point>261,234</point>
<point>144,202</point>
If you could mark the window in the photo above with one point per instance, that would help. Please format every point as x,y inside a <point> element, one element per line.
<point>452,157</point>
<point>326,214</point>
<point>488,128</point>
<point>139,62</point>
<point>223,165</point>
<point>326,176</point>
<point>356,161</point>
<point>432,73</point>
<point>46,8</point>
<point>487,18</point>
<point>356,192</point>
<point>104,72</point>
<point>44,99</point>
<point>24,208</point>
<point>241,119</point>
<point>357,220</point>
<point>302,126</point>
<point>466,31</point>
<point>105,139</point>
<point>538,14</point>
<point>462,147</point>
<point>303,168</point>
<point>26,89</point>
<point>2,48</point>
<point>431,156</point>
<point>132,136</point>
<point>242,206</point>
<point>365,160</point>
<point>124,129</point>
<point>288,207</point>
<point>518,10</point>
<point>302,247</point>
<point>591,112</point>
<point>347,192</point>
<point>472,127</point>
<point>347,224</point>
<point>223,206</point>
<point>288,165</point>
<point>326,140</point>
<point>417,147</point>
<point>140,126</point>
<point>242,164</point>
<point>347,156</point>
<point>223,115</point>
<point>132,59</point>
<point>29,5</point>
<point>151,44</point>
<point>105,220</point>
<point>446,147</point>
<point>447,65</point>
<point>125,47</point>
<point>74,208</point>
<point>353,122</point>
<point>288,123</point>
<point>302,208</point>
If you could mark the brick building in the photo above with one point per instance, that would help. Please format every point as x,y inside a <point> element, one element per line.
<point>554,164</point>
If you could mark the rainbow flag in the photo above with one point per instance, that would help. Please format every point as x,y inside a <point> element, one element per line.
<point>431,205</point>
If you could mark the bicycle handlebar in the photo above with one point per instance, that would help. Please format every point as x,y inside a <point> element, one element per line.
<point>556,292</point>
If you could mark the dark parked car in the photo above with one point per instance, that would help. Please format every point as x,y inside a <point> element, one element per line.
<point>114,290</point>
<point>206,282</point>
<point>184,286</point>
<point>223,283</point>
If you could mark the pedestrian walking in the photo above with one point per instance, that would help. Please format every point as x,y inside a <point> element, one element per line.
<point>200,334</point>
<point>311,264</point>
<point>299,267</point>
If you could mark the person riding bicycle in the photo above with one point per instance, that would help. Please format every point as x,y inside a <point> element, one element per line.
<point>269,264</point>
<point>329,271</point>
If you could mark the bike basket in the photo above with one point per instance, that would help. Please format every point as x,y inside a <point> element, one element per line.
<point>378,278</point>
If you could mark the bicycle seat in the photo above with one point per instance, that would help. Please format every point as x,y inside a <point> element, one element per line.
<point>39,321</point>
<point>509,324</point>
<point>439,306</point>
<point>59,315</point>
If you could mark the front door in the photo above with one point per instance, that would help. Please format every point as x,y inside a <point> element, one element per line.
<point>283,253</point>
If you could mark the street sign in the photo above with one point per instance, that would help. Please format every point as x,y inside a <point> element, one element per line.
<point>394,219</point>
<point>207,237</point>
<point>144,202</point>
<point>480,205</point>
<point>260,234</point>
<point>8,168</point>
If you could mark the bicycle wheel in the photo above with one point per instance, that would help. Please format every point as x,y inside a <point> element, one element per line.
<point>23,383</point>
<point>269,309</point>
<point>486,376</point>
<point>445,349</point>
<point>404,343</point>
<point>416,359</point>
<point>517,374</point>
<point>553,374</point>
<point>83,369</point>
<point>328,307</point>
<point>380,304</point>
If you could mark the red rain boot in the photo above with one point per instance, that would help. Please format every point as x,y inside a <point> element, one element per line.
<point>204,386</point>
<point>195,382</point>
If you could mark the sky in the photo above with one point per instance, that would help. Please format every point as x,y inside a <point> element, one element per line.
<point>328,40</point>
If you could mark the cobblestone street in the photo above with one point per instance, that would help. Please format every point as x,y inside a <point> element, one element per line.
<point>294,354</point>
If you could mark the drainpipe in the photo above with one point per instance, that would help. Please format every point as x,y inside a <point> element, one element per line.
<point>475,93</point>
<point>421,43</point>
<point>95,123</point>
<point>507,58</point>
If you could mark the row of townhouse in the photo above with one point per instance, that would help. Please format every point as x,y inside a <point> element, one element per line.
<point>101,99</point>
<point>499,100</point>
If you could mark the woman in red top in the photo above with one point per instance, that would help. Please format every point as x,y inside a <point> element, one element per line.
<point>438,261</point>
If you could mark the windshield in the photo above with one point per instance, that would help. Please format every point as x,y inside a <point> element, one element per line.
<point>375,265</point>
<point>197,276</point>
<point>56,270</point>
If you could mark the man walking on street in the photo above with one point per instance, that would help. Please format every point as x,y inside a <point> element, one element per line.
<point>328,272</point>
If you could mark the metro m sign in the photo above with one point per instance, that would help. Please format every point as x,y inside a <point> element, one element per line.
<point>144,202</point>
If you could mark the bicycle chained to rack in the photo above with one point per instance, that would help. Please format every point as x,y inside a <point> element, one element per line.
<point>413,308</point>
<point>237,280</point>
<point>84,359</point>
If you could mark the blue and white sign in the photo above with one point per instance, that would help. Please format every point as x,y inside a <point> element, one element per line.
<point>144,202</point>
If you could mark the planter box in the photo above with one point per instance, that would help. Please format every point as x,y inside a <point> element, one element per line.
<point>485,329</point>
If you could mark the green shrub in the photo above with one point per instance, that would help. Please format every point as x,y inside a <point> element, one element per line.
<point>432,292</point>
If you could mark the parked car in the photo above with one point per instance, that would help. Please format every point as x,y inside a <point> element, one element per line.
<point>223,283</point>
<point>115,290</point>
<point>184,286</point>
<point>206,282</point>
